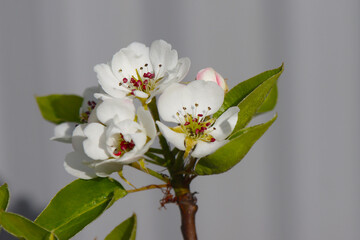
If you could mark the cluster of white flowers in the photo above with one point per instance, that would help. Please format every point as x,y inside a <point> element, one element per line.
<point>113,132</point>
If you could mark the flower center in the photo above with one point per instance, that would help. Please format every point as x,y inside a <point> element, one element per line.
<point>145,80</point>
<point>84,116</point>
<point>123,146</point>
<point>195,126</point>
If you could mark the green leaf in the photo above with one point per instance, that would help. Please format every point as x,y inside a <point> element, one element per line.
<point>4,197</point>
<point>23,228</point>
<point>240,91</point>
<point>250,105</point>
<point>78,204</point>
<point>231,153</point>
<point>270,101</point>
<point>125,231</point>
<point>60,108</point>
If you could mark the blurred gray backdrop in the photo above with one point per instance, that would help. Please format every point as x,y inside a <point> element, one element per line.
<point>299,182</point>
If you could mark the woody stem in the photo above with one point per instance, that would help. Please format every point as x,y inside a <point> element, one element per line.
<point>188,208</point>
<point>152,186</point>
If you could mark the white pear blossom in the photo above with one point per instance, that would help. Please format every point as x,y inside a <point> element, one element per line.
<point>101,148</point>
<point>142,72</point>
<point>209,74</point>
<point>63,132</point>
<point>191,107</point>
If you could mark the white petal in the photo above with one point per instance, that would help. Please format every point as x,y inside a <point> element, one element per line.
<point>205,148</point>
<point>128,59</point>
<point>94,145</point>
<point>109,82</point>
<point>225,124</point>
<point>180,71</point>
<point>174,76</point>
<point>177,139</point>
<point>172,100</point>
<point>105,168</point>
<point>89,96</point>
<point>102,96</point>
<point>147,121</point>
<point>78,138</point>
<point>138,48</point>
<point>206,94</point>
<point>122,108</point>
<point>63,132</point>
<point>162,55</point>
<point>144,149</point>
<point>130,157</point>
<point>74,165</point>
<point>127,126</point>
<point>139,139</point>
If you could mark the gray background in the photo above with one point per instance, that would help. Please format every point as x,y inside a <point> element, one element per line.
<point>299,182</point>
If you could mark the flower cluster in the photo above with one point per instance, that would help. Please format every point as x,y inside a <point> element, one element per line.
<point>117,127</point>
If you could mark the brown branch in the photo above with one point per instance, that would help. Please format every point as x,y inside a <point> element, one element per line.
<point>188,209</point>
<point>152,186</point>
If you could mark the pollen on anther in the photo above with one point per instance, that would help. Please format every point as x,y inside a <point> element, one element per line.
<point>146,64</point>
<point>196,104</point>
<point>141,68</point>
<point>160,65</point>
<point>184,108</point>
<point>120,70</point>
<point>209,108</point>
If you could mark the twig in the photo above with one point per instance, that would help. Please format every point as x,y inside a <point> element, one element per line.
<point>153,173</point>
<point>152,186</point>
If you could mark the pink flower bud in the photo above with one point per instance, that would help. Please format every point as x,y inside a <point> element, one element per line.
<point>209,74</point>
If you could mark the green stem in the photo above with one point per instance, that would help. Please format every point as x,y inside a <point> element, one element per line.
<point>156,150</point>
<point>158,160</point>
<point>151,172</point>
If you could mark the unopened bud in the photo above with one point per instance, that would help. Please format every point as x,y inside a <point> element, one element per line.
<point>209,74</point>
